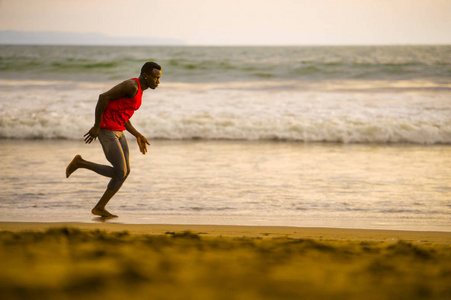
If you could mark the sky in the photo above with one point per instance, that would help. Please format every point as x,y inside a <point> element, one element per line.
<point>240,22</point>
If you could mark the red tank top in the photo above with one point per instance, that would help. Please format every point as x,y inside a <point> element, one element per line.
<point>119,111</point>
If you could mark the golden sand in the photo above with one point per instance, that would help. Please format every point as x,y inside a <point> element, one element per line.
<point>119,261</point>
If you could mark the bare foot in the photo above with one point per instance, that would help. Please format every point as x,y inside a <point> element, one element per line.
<point>103,213</point>
<point>74,165</point>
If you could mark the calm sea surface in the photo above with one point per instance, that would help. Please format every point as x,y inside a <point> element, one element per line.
<point>236,183</point>
<point>354,137</point>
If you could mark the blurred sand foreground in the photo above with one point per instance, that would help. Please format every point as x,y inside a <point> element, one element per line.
<point>125,261</point>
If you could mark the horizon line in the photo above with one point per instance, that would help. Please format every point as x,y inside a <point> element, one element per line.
<point>224,45</point>
<point>61,38</point>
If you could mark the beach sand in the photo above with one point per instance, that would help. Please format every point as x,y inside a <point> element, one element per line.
<point>124,261</point>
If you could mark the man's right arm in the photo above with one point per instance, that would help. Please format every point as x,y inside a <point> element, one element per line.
<point>95,130</point>
<point>126,89</point>
<point>100,109</point>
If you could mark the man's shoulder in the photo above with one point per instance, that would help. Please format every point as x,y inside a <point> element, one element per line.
<point>130,86</point>
<point>130,83</point>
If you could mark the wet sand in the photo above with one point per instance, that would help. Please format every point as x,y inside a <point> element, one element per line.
<point>119,261</point>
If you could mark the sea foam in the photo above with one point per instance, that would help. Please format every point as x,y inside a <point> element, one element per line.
<point>235,111</point>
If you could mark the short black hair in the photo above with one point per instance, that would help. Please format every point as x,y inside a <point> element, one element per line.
<point>149,66</point>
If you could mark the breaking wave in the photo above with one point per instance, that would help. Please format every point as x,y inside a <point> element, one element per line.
<point>206,112</point>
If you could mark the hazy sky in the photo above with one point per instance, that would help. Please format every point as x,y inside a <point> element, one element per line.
<point>219,22</point>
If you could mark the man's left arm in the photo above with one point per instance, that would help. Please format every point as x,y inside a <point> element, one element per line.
<point>142,141</point>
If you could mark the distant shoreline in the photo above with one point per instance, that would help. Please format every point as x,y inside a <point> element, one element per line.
<point>15,37</point>
<point>55,38</point>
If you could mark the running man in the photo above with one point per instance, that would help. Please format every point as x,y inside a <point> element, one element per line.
<point>112,116</point>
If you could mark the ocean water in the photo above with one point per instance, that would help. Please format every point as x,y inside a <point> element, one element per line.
<point>308,94</point>
<point>354,137</point>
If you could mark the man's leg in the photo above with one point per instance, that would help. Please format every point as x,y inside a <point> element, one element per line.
<point>99,209</point>
<point>116,151</point>
<point>79,162</point>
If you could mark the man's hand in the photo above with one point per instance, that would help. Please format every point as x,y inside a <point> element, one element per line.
<point>92,134</point>
<point>142,141</point>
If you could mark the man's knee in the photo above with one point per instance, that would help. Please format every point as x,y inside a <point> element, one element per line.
<point>121,174</point>
<point>126,174</point>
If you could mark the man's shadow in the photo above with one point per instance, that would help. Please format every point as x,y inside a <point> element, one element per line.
<point>104,219</point>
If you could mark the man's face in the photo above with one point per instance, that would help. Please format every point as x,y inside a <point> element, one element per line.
<point>153,79</point>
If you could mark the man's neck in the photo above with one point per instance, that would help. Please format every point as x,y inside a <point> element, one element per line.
<point>142,83</point>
